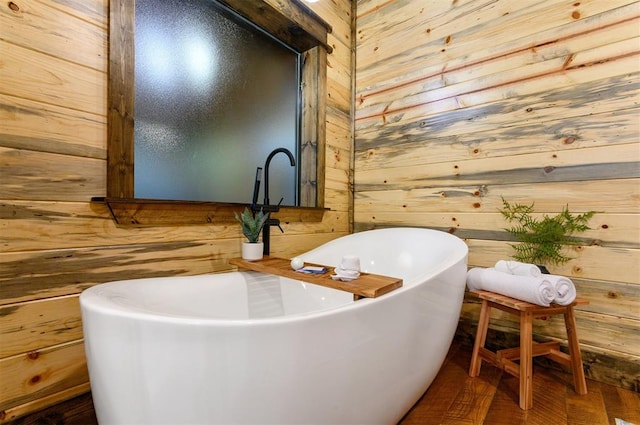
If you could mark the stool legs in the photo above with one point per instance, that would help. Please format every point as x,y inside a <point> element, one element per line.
<point>481,336</point>
<point>526,360</point>
<point>579,382</point>
<point>507,359</point>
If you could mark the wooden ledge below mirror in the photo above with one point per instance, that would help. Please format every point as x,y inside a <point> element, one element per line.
<point>154,212</point>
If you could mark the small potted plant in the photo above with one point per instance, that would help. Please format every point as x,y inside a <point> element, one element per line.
<point>541,239</point>
<point>252,225</point>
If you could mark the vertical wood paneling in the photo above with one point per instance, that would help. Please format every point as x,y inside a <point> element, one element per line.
<point>459,104</point>
<point>53,149</point>
<point>121,102</point>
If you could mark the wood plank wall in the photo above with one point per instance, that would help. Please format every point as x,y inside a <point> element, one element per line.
<point>460,103</point>
<point>54,242</point>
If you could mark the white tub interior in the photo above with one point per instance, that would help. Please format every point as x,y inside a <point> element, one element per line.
<point>237,296</point>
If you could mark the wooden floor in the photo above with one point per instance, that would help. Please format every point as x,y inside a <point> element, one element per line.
<point>455,398</point>
<point>492,398</point>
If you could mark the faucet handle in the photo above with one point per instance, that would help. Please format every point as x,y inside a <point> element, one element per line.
<point>278,221</point>
<point>275,222</point>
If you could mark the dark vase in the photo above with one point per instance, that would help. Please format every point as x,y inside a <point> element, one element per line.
<point>543,269</point>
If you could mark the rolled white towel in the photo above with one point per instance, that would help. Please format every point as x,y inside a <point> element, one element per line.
<point>474,278</point>
<point>564,287</point>
<point>536,290</point>
<point>518,268</point>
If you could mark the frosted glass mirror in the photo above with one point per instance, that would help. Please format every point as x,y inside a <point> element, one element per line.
<point>219,84</point>
<point>214,95</point>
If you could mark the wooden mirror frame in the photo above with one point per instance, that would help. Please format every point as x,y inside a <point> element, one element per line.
<point>288,20</point>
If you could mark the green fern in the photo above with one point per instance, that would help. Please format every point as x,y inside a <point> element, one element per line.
<point>252,224</point>
<point>541,240</point>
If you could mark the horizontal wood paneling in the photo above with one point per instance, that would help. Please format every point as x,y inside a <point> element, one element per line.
<point>610,196</point>
<point>96,12</point>
<point>611,230</point>
<point>41,404</point>
<point>45,176</point>
<point>426,43</point>
<point>33,226</point>
<point>29,125</point>
<point>461,104</point>
<point>589,262</point>
<point>448,99</point>
<point>47,28</point>
<point>32,325</point>
<point>556,118</point>
<point>338,13</point>
<point>587,164</point>
<point>55,242</point>
<point>41,373</point>
<point>39,77</point>
<point>69,271</point>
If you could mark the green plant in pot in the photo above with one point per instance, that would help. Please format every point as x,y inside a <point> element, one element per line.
<point>252,225</point>
<point>541,240</point>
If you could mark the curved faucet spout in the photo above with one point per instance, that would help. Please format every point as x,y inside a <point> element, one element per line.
<point>266,169</point>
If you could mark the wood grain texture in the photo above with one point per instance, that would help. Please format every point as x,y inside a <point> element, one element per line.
<point>447,36</point>
<point>37,126</point>
<point>600,364</point>
<point>35,225</point>
<point>587,164</point>
<point>53,150</point>
<point>41,373</point>
<point>120,101</point>
<point>28,174</point>
<point>460,104</point>
<point>557,108</point>
<point>39,77</point>
<point>589,262</point>
<point>31,325</point>
<point>615,230</point>
<point>288,21</point>
<point>73,406</point>
<point>367,285</point>
<point>609,196</point>
<point>69,271</point>
<point>154,212</point>
<point>452,384</point>
<point>60,29</point>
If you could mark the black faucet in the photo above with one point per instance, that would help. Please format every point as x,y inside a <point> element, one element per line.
<point>272,208</point>
<point>266,169</point>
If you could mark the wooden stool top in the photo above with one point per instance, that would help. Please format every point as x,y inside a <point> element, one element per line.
<point>520,305</point>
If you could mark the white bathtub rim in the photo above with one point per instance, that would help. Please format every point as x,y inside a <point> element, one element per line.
<point>458,254</point>
<point>107,307</point>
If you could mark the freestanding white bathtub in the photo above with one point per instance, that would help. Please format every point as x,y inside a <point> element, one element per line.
<point>253,348</point>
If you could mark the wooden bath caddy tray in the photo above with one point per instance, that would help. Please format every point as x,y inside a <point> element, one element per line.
<point>366,286</point>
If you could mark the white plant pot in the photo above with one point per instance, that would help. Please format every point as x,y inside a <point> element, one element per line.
<point>252,251</point>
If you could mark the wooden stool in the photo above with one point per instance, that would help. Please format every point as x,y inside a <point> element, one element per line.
<point>504,359</point>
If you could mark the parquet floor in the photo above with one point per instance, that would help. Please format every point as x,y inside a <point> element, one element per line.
<point>455,398</point>
<point>492,398</point>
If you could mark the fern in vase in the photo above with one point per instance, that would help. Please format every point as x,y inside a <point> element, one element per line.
<point>541,240</point>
